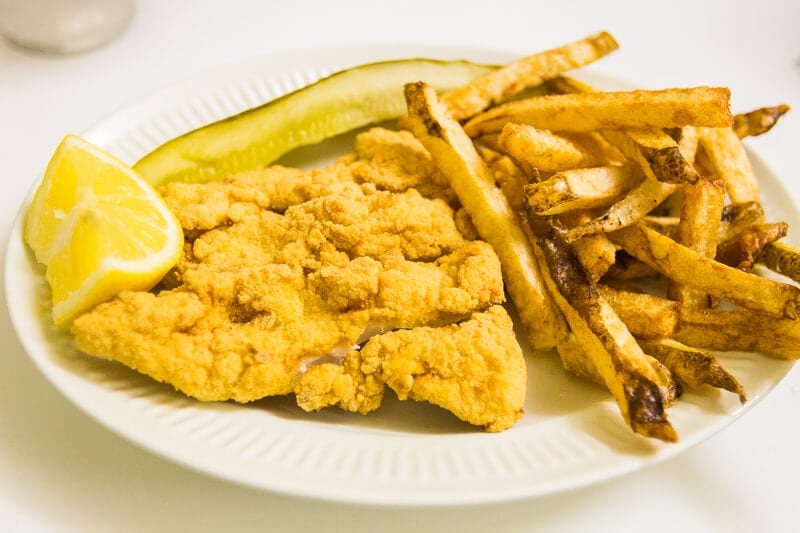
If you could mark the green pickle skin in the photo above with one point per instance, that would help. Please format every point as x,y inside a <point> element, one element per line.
<point>339,103</point>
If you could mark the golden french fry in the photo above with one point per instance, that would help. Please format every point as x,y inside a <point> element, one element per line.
<point>656,109</point>
<point>693,367</point>
<point>657,154</point>
<point>596,254</point>
<point>783,259</point>
<point>728,160</point>
<point>595,144</point>
<point>630,209</point>
<point>736,218</point>
<point>580,364</point>
<point>529,71</point>
<point>583,188</point>
<point>701,215</point>
<point>698,228</point>
<point>627,268</point>
<point>742,250</point>
<point>746,330</point>
<point>758,121</point>
<point>489,209</point>
<point>543,149</point>
<point>646,316</point>
<point>679,263</point>
<point>640,388</point>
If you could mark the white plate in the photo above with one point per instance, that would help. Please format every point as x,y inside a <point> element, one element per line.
<point>406,453</point>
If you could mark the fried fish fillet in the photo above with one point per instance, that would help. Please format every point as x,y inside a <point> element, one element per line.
<point>263,293</point>
<point>475,369</point>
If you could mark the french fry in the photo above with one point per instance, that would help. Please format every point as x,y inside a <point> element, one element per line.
<point>657,154</point>
<point>579,364</point>
<point>595,144</point>
<point>728,160</point>
<point>627,268</point>
<point>630,209</point>
<point>698,229</point>
<point>783,259</point>
<point>581,189</point>
<point>758,121</point>
<point>588,192</point>
<point>640,388</point>
<point>596,254</point>
<point>543,149</point>
<point>692,367</point>
<point>736,218</point>
<point>745,330</point>
<point>742,250</point>
<point>639,109</point>
<point>457,158</point>
<point>646,316</point>
<point>529,71</point>
<point>679,263</point>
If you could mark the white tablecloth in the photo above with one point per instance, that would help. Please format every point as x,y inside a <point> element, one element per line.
<point>62,471</point>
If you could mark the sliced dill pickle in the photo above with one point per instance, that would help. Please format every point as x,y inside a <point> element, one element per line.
<point>336,104</point>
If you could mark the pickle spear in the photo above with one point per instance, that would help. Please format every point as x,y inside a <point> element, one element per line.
<point>336,104</point>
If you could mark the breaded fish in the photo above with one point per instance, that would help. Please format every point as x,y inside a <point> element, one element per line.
<point>475,369</point>
<point>283,268</point>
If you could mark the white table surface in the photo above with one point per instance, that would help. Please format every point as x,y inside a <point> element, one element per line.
<point>61,471</point>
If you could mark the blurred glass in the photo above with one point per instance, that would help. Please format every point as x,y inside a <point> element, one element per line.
<point>63,26</point>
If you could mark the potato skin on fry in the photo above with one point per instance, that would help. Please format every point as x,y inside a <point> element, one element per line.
<point>657,154</point>
<point>783,259</point>
<point>758,121</point>
<point>628,210</point>
<point>742,250</point>
<point>640,389</point>
<point>693,367</point>
<point>581,188</point>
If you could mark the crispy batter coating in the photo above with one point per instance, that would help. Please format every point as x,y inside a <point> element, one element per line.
<point>474,369</point>
<point>203,207</point>
<point>282,267</point>
<point>396,161</point>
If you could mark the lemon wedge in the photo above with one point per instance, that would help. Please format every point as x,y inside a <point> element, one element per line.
<point>98,228</point>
